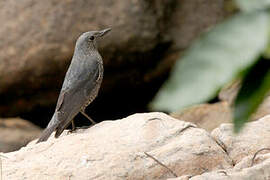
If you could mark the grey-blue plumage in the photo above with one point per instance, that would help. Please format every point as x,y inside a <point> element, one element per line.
<point>81,83</point>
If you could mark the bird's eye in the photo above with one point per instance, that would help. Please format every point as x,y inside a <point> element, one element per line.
<point>91,38</point>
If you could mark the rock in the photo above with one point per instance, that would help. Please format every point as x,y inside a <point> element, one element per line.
<point>206,116</point>
<point>241,149</point>
<point>192,17</point>
<point>254,136</point>
<point>210,116</point>
<point>116,150</point>
<point>147,38</point>
<point>16,133</point>
<point>263,110</point>
<point>258,172</point>
<point>229,92</point>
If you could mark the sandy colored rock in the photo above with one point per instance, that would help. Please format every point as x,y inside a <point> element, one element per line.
<point>115,150</point>
<point>263,110</point>
<point>16,133</point>
<point>246,172</point>
<point>210,116</point>
<point>229,92</point>
<point>254,136</point>
<point>206,116</point>
<point>241,149</point>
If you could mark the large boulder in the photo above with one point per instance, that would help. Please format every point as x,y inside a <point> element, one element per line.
<point>242,171</point>
<point>16,133</point>
<point>119,150</point>
<point>253,137</point>
<point>146,146</point>
<point>37,40</point>
<point>206,116</point>
<point>210,116</point>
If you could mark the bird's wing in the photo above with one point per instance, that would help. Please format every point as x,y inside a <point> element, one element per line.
<point>73,96</point>
<point>79,78</point>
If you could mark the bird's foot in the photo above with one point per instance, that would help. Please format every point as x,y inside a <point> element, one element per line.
<point>78,128</point>
<point>84,127</point>
<point>71,130</point>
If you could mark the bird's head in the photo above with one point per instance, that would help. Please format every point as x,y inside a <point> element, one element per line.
<point>88,40</point>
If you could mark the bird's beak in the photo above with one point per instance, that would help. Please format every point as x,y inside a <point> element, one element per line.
<point>103,32</point>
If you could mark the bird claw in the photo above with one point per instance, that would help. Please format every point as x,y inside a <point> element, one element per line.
<point>78,128</point>
<point>84,127</point>
<point>71,131</point>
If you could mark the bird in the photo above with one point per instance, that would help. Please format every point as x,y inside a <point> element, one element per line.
<point>81,84</point>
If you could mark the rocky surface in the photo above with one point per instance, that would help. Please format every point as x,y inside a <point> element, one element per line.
<point>210,116</point>
<point>252,138</point>
<point>229,92</point>
<point>37,40</point>
<point>245,172</point>
<point>206,116</point>
<point>16,133</point>
<point>116,150</point>
<point>146,146</point>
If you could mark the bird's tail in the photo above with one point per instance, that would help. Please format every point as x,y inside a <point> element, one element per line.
<point>62,126</point>
<point>49,129</point>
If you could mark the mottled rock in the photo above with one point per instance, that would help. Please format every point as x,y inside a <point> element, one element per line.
<point>241,149</point>
<point>210,116</point>
<point>229,92</point>
<point>16,133</point>
<point>116,150</point>
<point>206,116</point>
<point>258,172</point>
<point>263,109</point>
<point>254,136</point>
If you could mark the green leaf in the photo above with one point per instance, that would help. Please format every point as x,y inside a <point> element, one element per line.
<point>251,5</point>
<point>255,86</point>
<point>215,59</point>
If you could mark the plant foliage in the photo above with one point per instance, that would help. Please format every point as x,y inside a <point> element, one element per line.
<point>229,50</point>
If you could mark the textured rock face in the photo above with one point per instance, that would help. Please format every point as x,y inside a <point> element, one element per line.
<point>37,40</point>
<point>241,149</point>
<point>206,116</point>
<point>258,172</point>
<point>210,116</point>
<point>115,150</point>
<point>15,133</point>
<point>252,138</point>
<point>120,150</point>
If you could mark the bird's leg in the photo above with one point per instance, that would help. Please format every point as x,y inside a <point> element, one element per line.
<point>73,124</point>
<point>73,127</point>
<point>90,119</point>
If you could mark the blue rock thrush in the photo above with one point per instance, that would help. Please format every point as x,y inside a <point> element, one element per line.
<point>81,84</point>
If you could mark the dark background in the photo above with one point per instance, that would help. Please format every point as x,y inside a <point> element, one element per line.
<point>37,39</point>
